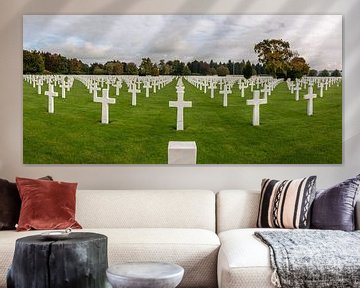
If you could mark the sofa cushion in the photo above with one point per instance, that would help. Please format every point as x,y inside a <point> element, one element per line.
<point>194,249</point>
<point>46,204</point>
<point>236,209</point>
<point>10,204</point>
<point>334,208</point>
<point>244,261</point>
<point>286,204</point>
<point>146,209</point>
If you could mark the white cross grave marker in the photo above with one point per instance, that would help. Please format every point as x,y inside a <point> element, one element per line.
<point>133,92</point>
<point>321,85</point>
<point>310,96</point>
<point>147,86</point>
<point>266,91</point>
<point>105,101</point>
<point>95,89</point>
<point>212,87</point>
<point>297,89</point>
<point>256,102</point>
<point>118,86</point>
<point>242,87</point>
<point>51,94</point>
<point>252,86</point>
<point>225,92</point>
<point>180,104</point>
<point>39,85</point>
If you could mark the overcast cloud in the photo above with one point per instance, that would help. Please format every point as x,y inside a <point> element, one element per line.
<point>92,38</point>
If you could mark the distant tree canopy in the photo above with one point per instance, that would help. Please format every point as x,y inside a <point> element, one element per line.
<point>222,70</point>
<point>279,60</point>
<point>312,73</point>
<point>336,73</point>
<point>33,62</point>
<point>248,70</point>
<point>275,58</point>
<point>36,62</point>
<point>324,73</point>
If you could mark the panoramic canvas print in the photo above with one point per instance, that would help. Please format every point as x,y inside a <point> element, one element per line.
<point>182,89</point>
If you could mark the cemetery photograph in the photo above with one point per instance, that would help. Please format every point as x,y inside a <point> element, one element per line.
<point>182,89</point>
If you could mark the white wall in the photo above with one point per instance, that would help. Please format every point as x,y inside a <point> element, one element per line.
<point>214,177</point>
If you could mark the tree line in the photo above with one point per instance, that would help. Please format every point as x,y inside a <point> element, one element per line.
<point>37,62</point>
<point>274,55</point>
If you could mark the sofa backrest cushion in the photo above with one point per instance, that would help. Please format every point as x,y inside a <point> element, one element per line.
<point>236,209</point>
<point>146,209</point>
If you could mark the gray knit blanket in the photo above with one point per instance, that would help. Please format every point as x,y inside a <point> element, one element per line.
<point>313,258</point>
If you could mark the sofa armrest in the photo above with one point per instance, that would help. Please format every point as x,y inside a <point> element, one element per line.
<point>357,215</point>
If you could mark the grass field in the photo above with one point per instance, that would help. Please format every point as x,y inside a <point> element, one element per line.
<point>140,135</point>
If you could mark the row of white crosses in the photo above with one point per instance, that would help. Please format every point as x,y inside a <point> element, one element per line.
<point>64,82</point>
<point>180,104</point>
<point>321,82</point>
<point>268,85</point>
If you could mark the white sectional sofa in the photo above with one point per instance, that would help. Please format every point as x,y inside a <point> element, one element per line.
<point>163,225</point>
<point>177,226</point>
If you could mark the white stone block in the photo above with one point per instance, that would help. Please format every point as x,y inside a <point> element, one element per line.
<point>182,152</point>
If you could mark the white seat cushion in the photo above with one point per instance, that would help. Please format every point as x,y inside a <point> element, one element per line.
<point>196,250</point>
<point>244,261</point>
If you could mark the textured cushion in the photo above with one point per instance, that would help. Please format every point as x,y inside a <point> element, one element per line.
<point>146,209</point>
<point>286,204</point>
<point>244,261</point>
<point>194,249</point>
<point>334,208</point>
<point>236,209</point>
<point>10,204</point>
<point>46,204</point>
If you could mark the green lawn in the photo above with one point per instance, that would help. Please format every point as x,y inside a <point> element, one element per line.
<point>140,135</point>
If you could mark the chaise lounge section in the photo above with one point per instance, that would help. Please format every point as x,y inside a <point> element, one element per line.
<point>244,260</point>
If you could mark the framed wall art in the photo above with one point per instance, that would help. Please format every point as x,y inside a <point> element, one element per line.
<point>182,89</point>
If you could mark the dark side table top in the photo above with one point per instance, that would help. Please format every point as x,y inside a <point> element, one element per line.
<point>72,238</point>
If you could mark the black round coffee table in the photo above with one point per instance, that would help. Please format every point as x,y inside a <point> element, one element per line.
<point>80,261</point>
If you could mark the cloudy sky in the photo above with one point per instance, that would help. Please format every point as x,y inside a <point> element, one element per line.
<point>93,38</point>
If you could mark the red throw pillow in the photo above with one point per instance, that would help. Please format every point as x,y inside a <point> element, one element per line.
<point>46,204</point>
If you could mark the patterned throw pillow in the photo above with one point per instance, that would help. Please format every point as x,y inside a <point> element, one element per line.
<point>286,204</point>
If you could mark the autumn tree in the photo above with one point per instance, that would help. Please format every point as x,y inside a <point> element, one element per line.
<point>275,55</point>
<point>297,68</point>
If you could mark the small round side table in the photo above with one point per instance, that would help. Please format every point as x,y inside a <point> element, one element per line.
<point>145,275</point>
